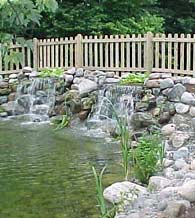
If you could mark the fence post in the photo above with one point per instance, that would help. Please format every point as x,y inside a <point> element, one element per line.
<point>35,54</point>
<point>149,52</point>
<point>79,51</point>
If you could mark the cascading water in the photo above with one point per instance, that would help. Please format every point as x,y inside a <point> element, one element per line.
<point>35,98</point>
<point>112,99</point>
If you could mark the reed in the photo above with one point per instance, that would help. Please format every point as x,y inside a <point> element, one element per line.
<point>125,139</point>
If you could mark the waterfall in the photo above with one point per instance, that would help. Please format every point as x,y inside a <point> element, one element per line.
<point>35,98</point>
<point>111,99</point>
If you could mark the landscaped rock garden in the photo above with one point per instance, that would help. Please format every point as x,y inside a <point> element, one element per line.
<point>165,103</point>
<point>168,104</point>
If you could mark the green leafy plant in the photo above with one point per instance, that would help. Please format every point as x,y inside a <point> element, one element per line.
<point>63,123</point>
<point>104,211</point>
<point>134,78</point>
<point>58,72</point>
<point>146,155</point>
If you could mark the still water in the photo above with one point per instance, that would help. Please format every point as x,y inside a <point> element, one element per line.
<point>47,174</point>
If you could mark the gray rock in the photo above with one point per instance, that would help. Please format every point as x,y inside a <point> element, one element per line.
<point>188,98</point>
<point>111,80</point>
<point>193,123</point>
<point>179,138</point>
<point>192,111</point>
<point>191,81</point>
<point>110,74</point>
<point>3,99</point>
<point>176,92</point>
<point>13,81</point>
<point>3,85</point>
<point>3,114</point>
<point>86,86</point>
<point>8,107</point>
<point>13,76</point>
<point>187,190</point>
<point>68,78</point>
<point>176,208</point>
<point>116,192</point>
<point>153,83</point>
<point>158,182</point>
<point>180,163</point>
<point>192,165</point>
<point>166,83</point>
<point>33,74</point>
<point>27,70</point>
<point>181,153</point>
<point>141,119</point>
<point>71,71</point>
<point>168,129</point>
<point>1,78</point>
<point>79,72</point>
<point>181,108</point>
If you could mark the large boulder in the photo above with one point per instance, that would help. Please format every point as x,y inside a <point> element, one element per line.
<point>115,193</point>
<point>175,93</point>
<point>188,98</point>
<point>86,86</point>
<point>187,190</point>
<point>158,182</point>
<point>141,119</point>
<point>166,83</point>
<point>181,108</point>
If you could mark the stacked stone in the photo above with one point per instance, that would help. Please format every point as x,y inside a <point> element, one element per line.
<point>77,87</point>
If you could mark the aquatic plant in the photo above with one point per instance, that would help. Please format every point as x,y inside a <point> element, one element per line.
<point>147,154</point>
<point>64,122</point>
<point>104,211</point>
<point>124,137</point>
<point>134,78</point>
<point>57,72</point>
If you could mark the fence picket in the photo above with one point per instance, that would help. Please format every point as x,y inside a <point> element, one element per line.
<point>116,52</point>
<point>139,51</point>
<point>175,52</point>
<point>182,53</point>
<point>106,51</point>
<point>66,53</point>
<point>157,53</point>
<point>163,56</point>
<point>122,52</point>
<point>86,53</point>
<point>133,52</point>
<point>188,56</point>
<point>128,57</point>
<point>45,54</point>
<point>90,52</point>
<point>56,53</point>
<point>52,54</point>
<point>101,52</point>
<point>96,53</point>
<point>169,52</point>
<point>111,53</point>
<point>61,52</point>
<point>172,53</point>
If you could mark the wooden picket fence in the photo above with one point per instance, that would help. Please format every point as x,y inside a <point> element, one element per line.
<point>125,53</point>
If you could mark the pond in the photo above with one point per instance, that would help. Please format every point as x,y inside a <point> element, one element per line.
<point>47,174</point>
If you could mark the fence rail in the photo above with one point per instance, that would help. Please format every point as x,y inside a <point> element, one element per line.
<point>120,53</point>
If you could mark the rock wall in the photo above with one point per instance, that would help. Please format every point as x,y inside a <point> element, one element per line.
<point>76,89</point>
